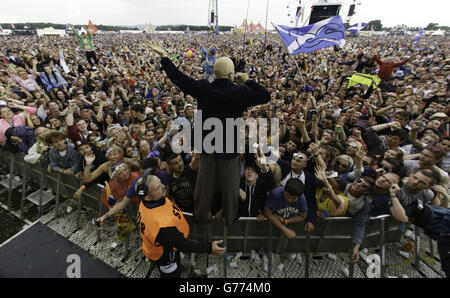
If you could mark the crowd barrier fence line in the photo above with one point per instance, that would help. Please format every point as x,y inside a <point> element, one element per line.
<point>330,235</point>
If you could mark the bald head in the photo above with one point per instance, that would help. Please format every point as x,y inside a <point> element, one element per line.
<point>224,68</point>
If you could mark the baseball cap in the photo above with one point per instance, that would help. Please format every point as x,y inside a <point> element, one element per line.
<point>80,143</point>
<point>212,50</point>
<point>440,116</point>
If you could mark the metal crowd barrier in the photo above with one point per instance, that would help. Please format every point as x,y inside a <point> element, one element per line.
<point>330,235</point>
<point>57,184</point>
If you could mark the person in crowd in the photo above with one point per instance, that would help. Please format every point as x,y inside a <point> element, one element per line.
<point>9,119</point>
<point>40,147</point>
<point>286,205</point>
<point>63,157</point>
<point>210,59</point>
<point>20,138</point>
<point>256,182</point>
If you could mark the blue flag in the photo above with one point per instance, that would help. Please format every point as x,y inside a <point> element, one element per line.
<point>357,27</point>
<point>326,33</point>
<point>418,36</point>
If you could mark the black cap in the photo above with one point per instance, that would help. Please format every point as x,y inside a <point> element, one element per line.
<point>80,143</point>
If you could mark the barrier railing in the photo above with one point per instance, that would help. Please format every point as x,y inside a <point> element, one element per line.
<point>330,235</point>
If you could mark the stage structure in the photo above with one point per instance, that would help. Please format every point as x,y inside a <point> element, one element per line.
<point>213,18</point>
<point>305,12</point>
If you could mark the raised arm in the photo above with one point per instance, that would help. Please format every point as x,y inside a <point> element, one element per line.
<point>75,32</point>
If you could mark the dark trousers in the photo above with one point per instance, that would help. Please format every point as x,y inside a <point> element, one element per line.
<point>89,55</point>
<point>174,274</point>
<point>221,177</point>
<point>443,244</point>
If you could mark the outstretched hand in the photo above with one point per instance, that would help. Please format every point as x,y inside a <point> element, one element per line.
<point>161,52</point>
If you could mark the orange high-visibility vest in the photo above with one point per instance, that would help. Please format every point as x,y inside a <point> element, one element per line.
<point>150,221</point>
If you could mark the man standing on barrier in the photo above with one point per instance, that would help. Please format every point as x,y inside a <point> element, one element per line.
<point>164,230</point>
<point>220,100</point>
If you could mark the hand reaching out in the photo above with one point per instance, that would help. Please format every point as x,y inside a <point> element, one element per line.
<point>395,125</point>
<point>161,52</point>
<point>361,153</point>
<point>320,174</point>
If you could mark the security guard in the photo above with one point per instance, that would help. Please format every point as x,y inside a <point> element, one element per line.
<point>164,230</point>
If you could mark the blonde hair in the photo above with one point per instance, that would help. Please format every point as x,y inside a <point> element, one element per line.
<point>114,148</point>
<point>115,169</point>
<point>41,143</point>
<point>345,157</point>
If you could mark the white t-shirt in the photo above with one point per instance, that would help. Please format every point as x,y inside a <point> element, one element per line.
<point>293,175</point>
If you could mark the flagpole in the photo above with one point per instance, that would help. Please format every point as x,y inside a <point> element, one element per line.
<point>246,25</point>
<point>265,32</point>
<point>217,17</point>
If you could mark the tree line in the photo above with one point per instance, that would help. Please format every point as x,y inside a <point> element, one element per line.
<point>376,25</point>
<point>192,28</point>
<point>34,26</point>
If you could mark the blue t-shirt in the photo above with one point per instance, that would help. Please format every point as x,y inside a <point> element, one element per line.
<point>162,175</point>
<point>275,202</point>
<point>210,60</point>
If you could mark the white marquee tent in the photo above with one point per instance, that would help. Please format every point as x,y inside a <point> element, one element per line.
<point>51,32</point>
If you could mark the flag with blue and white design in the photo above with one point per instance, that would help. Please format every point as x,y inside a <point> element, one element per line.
<point>326,33</point>
<point>418,36</point>
<point>357,27</point>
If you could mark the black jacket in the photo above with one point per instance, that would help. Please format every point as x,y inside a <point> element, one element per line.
<point>257,199</point>
<point>220,99</point>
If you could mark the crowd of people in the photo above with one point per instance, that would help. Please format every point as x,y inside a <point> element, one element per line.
<point>107,114</point>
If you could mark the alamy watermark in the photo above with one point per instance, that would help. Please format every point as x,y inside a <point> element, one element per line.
<point>74,269</point>
<point>374,269</point>
<point>239,133</point>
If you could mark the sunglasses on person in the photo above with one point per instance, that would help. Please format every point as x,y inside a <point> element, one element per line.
<point>363,185</point>
<point>365,163</point>
<point>299,156</point>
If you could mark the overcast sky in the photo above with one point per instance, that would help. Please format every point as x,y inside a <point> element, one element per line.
<point>135,12</point>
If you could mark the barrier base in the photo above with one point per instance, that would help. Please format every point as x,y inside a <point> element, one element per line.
<point>47,196</point>
<point>15,183</point>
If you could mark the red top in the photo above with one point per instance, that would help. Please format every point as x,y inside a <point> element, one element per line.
<point>386,68</point>
<point>118,189</point>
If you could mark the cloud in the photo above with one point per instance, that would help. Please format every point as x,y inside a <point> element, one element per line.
<point>195,12</point>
